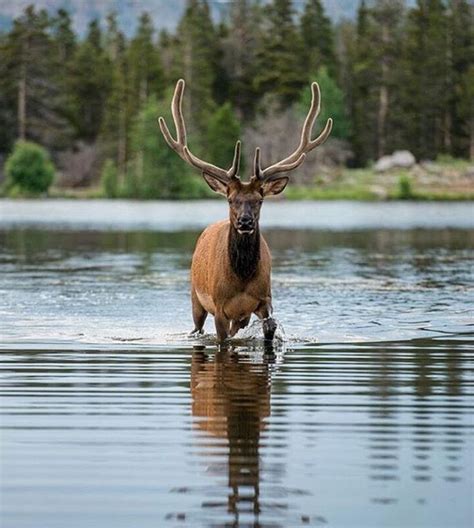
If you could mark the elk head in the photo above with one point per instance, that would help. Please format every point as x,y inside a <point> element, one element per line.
<point>245,198</point>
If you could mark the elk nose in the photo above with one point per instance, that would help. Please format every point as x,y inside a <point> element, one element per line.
<point>245,223</point>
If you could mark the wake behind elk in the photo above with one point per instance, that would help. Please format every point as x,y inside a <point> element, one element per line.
<point>231,265</point>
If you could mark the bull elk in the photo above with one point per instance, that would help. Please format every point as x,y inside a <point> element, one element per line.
<point>231,265</point>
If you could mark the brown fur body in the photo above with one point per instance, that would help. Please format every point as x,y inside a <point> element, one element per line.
<point>230,275</point>
<point>216,286</point>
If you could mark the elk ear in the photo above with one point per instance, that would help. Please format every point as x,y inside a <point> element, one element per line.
<point>215,184</point>
<point>271,187</point>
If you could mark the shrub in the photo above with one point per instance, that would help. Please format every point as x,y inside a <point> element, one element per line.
<point>405,190</point>
<point>29,169</point>
<point>109,179</point>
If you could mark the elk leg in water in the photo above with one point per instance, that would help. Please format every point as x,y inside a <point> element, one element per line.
<point>199,314</point>
<point>235,326</point>
<point>269,325</point>
<point>222,326</point>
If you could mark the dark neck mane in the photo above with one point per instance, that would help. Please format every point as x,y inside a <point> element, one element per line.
<point>244,253</point>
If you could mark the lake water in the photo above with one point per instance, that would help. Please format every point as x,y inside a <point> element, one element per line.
<point>361,415</point>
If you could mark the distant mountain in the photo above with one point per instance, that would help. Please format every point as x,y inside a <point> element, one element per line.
<point>165,13</point>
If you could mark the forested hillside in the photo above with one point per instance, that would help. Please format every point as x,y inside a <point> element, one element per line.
<point>394,78</point>
<point>164,13</point>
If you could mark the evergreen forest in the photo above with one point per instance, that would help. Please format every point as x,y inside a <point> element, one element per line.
<point>394,78</point>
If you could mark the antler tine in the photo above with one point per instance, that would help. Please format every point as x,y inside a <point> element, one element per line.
<point>312,114</point>
<point>234,169</point>
<point>177,111</point>
<point>306,144</point>
<point>179,145</point>
<point>257,169</point>
<point>259,174</point>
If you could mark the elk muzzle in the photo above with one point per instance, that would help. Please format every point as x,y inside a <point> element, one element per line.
<point>246,224</point>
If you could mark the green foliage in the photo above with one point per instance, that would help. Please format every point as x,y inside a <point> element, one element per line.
<point>117,111</point>
<point>222,133</point>
<point>156,171</point>
<point>318,38</point>
<point>399,77</point>
<point>64,36</point>
<point>146,75</point>
<point>375,81</point>
<point>29,168</point>
<point>405,190</point>
<point>332,104</point>
<point>446,160</point>
<point>426,102</point>
<point>194,58</point>
<point>29,85</point>
<point>280,68</point>
<point>109,179</point>
<point>240,60</point>
<point>89,85</point>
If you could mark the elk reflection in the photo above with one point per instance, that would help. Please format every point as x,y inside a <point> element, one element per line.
<point>231,398</point>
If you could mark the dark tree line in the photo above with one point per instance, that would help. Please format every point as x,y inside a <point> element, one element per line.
<point>394,78</point>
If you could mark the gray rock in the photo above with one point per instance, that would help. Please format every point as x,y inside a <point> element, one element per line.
<point>384,164</point>
<point>403,159</point>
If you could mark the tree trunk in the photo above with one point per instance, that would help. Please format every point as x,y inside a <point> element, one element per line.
<point>383,99</point>
<point>471,138</point>
<point>122,142</point>
<point>381,120</point>
<point>22,104</point>
<point>447,132</point>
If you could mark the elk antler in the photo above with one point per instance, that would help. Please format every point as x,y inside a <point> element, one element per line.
<point>306,144</point>
<point>180,143</point>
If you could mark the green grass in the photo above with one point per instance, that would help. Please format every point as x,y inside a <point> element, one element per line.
<point>313,193</point>
<point>445,161</point>
<point>348,184</point>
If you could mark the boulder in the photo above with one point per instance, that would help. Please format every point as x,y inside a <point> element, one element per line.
<point>384,164</point>
<point>402,159</point>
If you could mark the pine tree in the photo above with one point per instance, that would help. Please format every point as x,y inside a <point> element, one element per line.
<point>240,55</point>
<point>64,36</point>
<point>426,97</point>
<point>8,96</point>
<point>145,69</point>
<point>114,38</point>
<point>65,44</point>
<point>363,97</point>
<point>460,122</point>
<point>30,74</point>
<point>114,129</point>
<point>375,107</point>
<point>222,133</point>
<point>280,57</point>
<point>318,38</point>
<point>195,61</point>
<point>465,108</point>
<point>387,15</point>
<point>89,84</point>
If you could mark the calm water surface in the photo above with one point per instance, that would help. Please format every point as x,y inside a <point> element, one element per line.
<point>360,416</point>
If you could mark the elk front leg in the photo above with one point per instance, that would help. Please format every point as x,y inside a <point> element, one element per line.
<point>199,313</point>
<point>222,326</point>
<point>264,312</point>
